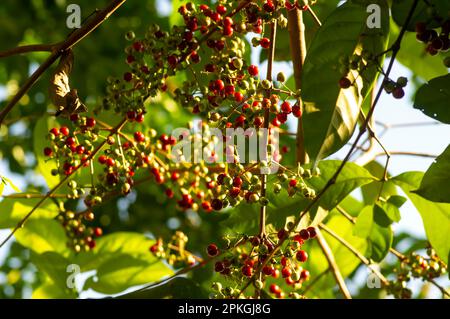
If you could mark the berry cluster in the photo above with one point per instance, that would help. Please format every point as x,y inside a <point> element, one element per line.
<point>243,256</point>
<point>395,87</point>
<point>80,237</point>
<point>174,251</point>
<point>436,42</point>
<point>416,266</point>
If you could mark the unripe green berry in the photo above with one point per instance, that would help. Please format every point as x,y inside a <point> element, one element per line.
<point>281,77</point>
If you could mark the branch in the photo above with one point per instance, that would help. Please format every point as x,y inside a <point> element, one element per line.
<point>298,53</point>
<point>271,57</point>
<point>333,265</point>
<point>313,14</point>
<point>28,48</point>
<point>71,40</point>
<point>407,154</point>
<point>360,256</point>
<point>64,180</point>
<point>30,196</point>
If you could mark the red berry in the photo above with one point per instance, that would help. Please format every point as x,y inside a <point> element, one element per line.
<point>80,149</point>
<point>139,137</point>
<point>48,151</point>
<point>284,261</point>
<point>140,118</point>
<point>282,233</point>
<point>216,204</point>
<point>238,97</point>
<point>138,46</point>
<point>55,131</point>
<point>269,6</point>
<point>268,270</point>
<point>296,110</point>
<point>275,289</point>
<point>219,266</point>
<point>70,141</point>
<point>110,162</point>
<point>302,256</point>
<point>212,250</point>
<point>207,206</point>
<point>64,131</point>
<point>247,271</point>
<point>102,159</point>
<point>282,117</point>
<point>398,93</point>
<point>128,76</point>
<point>227,22</point>
<point>154,248</point>
<point>253,70</point>
<point>131,115</point>
<point>219,85</point>
<point>98,231</point>
<point>228,31</point>
<point>286,107</point>
<point>172,60</point>
<point>234,192</point>
<point>265,43</point>
<point>312,232</point>
<point>345,83</point>
<point>90,122</point>
<point>221,9</point>
<point>237,181</point>
<point>74,117</point>
<point>304,275</point>
<point>229,89</point>
<point>258,121</point>
<point>286,272</point>
<point>304,234</point>
<point>169,193</point>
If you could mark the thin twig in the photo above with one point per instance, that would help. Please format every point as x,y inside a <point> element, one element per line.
<point>333,265</point>
<point>313,14</point>
<point>360,256</point>
<point>27,49</point>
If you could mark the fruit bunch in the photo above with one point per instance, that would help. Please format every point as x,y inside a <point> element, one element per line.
<point>416,266</point>
<point>174,251</point>
<point>242,257</point>
<point>435,42</point>
<point>80,236</point>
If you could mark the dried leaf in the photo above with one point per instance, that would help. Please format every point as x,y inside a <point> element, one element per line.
<point>63,97</point>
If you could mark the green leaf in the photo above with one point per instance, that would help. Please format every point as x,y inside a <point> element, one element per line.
<point>371,191</point>
<point>124,271</point>
<point>50,290</point>
<point>13,210</point>
<point>435,216</point>
<point>422,13</point>
<point>331,113</point>
<point>435,184</point>
<point>177,288</point>
<point>345,259</point>
<point>55,267</point>
<point>42,235</point>
<point>373,225</point>
<point>433,99</point>
<point>122,260</point>
<point>45,166</point>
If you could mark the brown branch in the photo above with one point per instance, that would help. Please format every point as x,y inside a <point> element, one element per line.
<point>64,180</point>
<point>30,196</point>
<point>360,256</point>
<point>407,154</point>
<point>297,43</point>
<point>28,48</point>
<point>71,40</point>
<point>333,265</point>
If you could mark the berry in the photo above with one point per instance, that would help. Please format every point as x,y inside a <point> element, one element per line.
<point>301,256</point>
<point>312,232</point>
<point>98,232</point>
<point>131,115</point>
<point>304,275</point>
<point>64,131</point>
<point>70,141</point>
<point>253,70</point>
<point>247,271</point>
<point>139,137</point>
<point>110,162</point>
<point>292,182</point>
<point>238,97</point>
<point>90,122</point>
<point>55,131</point>
<point>265,43</point>
<point>268,270</point>
<point>398,93</point>
<point>237,181</point>
<point>269,6</point>
<point>304,234</point>
<point>48,151</point>
<point>286,107</point>
<point>169,193</point>
<point>128,76</point>
<point>102,159</point>
<point>275,289</point>
<point>219,266</point>
<point>282,233</point>
<point>296,110</point>
<point>286,272</point>
<point>221,9</point>
<point>216,204</point>
<point>212,250</point>
<point>344,83</point>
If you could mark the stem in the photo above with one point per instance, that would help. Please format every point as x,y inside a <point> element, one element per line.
<point>71,40</point>
<point>271,57</point>
<point>28,48</point>
<point>313,14</point>
<point>360,256</point>
<point>333,265</point>
<point>297,42</point>
<point>64,180</point>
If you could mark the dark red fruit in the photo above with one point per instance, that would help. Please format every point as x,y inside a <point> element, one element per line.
<point>247,271</point>
<point>345,83</point>
<point>219,266</point>
<point>304,234</point>
<point>312,232</point>
<point>64,131</point>
<point>139,137</point>
<point>301,256</point>
<point>98,231</point>
<point>216,204</point>
<point>398,93</point>
<point>48,151</point>
<point>253,70</point>
<point>212,250</point>
<point>275,289</point>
